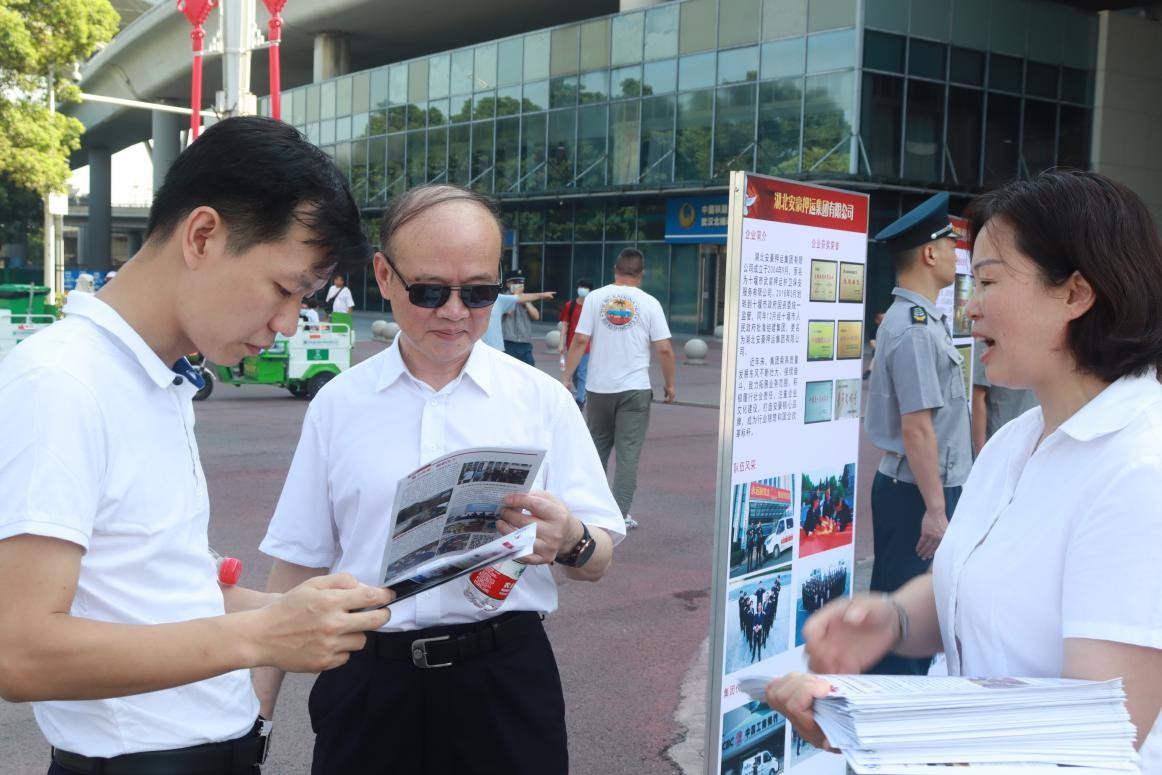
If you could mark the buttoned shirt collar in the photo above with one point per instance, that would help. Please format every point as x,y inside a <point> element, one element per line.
<point>919,300</point>
<point>1114,408</point>
<point>476,368</point>
<point>103,316</point>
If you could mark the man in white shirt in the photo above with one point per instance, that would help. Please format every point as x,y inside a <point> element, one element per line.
<point>451,688</point>
<point>339,296</point>
<point>112,622</point>
<point>623,322</point>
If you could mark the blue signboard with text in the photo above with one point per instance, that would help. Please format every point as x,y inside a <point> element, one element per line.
<point>696,219</point>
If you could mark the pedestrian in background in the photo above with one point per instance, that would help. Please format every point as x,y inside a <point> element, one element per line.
<point>917,411</point>
<point>339,298</point>
<point>112,622</point>
<point>624,323</point>
<point>1068,269</point>
<point>570,314</point>
<point>516,324</point>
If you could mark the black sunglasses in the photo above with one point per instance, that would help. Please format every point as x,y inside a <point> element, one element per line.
<point>433,295</point>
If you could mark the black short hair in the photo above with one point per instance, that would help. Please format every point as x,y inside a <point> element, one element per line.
<point>417,201</point>
<point>585,282</point>
<point>261,175</point>
<point>1070,221</point>
<point>630,262</point>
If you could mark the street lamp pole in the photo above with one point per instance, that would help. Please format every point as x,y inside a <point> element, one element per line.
<point>49,218</point>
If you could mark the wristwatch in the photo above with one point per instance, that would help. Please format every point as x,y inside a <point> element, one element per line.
<point>579,554</point>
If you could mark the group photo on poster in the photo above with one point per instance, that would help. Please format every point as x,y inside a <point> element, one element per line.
<point>758,620</point>
<point>754,739</point>
<point>827,577</point>
<point>762,525</point>
<point>827,510</point>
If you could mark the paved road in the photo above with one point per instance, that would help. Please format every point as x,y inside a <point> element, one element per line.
<point>628,646</point>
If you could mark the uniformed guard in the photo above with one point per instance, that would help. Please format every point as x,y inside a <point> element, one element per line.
<point>917,409</point>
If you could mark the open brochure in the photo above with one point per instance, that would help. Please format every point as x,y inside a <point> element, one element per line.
<point>443,520</point>
<point>908,725</point>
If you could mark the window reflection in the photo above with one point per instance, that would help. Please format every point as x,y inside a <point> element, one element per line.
<point>827,123</point>
<point>779,125</point>
<point>882,120</point>
<point>924,128</point>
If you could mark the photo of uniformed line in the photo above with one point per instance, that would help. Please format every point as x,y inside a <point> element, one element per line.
<point>758,619</point>
<point>762,524</point>
<point>817,583</point>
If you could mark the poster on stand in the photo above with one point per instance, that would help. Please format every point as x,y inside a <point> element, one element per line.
<point>788,446</point>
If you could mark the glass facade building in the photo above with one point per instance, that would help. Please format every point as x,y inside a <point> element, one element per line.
<point>599,134</point>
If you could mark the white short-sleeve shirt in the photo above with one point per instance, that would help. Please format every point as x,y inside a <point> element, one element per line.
<point>375,423</point>
<point>340,298</point>
<point>1057,542</point>
<point>623,322</point>
<point>99,450</point>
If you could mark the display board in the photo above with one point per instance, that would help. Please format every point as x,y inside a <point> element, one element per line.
<point>788,446</point>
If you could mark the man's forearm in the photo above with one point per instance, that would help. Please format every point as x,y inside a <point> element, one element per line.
<point>598,563</point>
<point>268,680</point>
<point>666,361</point>
<point>922,451</point>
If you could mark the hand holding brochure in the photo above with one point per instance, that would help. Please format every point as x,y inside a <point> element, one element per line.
<point>443,523</point>
<point>926,724</point>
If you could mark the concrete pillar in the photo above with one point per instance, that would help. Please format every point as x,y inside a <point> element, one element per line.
<point>167,143</point>
<point>634,5</point>
<point>100,236</point>
<point>332,55</point>
<point>135,240</point>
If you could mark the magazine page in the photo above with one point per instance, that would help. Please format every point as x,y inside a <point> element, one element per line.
<point>448,507</point>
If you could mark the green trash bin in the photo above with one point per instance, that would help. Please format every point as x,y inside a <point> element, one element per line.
<point>24,299</point>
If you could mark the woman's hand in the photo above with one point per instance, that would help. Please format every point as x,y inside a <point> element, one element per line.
<point>851,634</point>
<point>794,696</point>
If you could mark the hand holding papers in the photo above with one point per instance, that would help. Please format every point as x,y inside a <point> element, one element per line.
<point>903,725</point>
<point>444,518</point>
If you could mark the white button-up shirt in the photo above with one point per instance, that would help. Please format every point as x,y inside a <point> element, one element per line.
<point>99,450</point>
<point>1061,541</point>
<point>376,423</point>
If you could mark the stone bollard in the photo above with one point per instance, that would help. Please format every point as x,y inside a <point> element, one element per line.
<point>384,331</point>
<point>718,331</point>
<point>696,350</point>
<point>552,340</point>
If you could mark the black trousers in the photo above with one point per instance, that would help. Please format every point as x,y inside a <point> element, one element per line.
<point>897,511</point>
<point>503,713</point>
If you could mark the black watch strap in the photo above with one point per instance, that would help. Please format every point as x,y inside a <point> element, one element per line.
<point>579,554</point>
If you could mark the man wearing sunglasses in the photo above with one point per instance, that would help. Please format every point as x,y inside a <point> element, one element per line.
<point>444,664</point>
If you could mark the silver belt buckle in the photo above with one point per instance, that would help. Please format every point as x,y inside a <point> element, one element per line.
<point>420,652</point>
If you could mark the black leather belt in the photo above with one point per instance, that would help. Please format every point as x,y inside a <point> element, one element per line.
<point>452,644</point>
<point>236,757</point>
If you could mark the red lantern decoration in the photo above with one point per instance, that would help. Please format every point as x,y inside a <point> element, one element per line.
<point>275,26</point>
<point>197,11</point>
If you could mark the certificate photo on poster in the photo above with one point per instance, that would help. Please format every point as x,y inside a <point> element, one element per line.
<point>817,402</point>
<point>965,351</point>
<point>849,340</point>
<point>851,282</point>
<point>823,274</point>
<point>847,399</point>
<point>820,340</point>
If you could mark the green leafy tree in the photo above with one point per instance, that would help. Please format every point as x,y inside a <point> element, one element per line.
<point>42,39</point>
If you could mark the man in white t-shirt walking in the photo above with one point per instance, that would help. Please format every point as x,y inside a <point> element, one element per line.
<point>339,296</point>
<point>621,320</point>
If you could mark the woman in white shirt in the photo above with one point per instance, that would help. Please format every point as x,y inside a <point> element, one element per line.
<point>1049,566</point>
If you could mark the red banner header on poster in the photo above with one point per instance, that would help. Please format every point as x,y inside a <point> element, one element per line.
<point>767,493</point>
<point>783,201</point>
<point>961,226</point>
